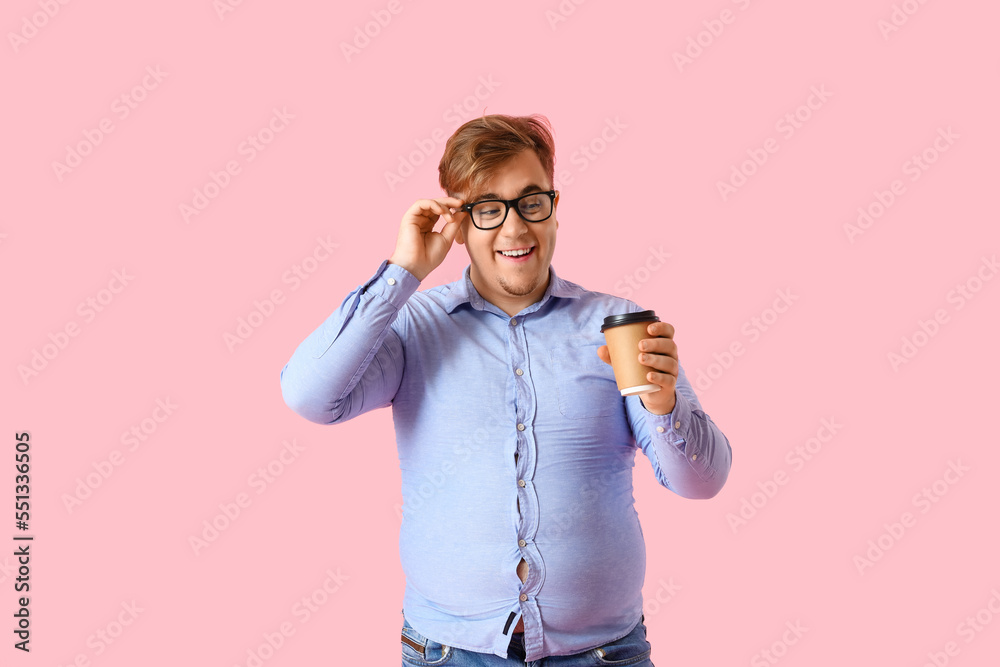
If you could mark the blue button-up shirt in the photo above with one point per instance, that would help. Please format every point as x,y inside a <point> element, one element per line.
<point>471,386</point>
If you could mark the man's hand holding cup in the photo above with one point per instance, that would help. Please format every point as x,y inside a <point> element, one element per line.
<point>652,373</point>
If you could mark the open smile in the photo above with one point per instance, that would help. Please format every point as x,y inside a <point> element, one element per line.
<point>518,254</point>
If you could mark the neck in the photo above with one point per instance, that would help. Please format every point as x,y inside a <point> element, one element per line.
<point>509,303</point>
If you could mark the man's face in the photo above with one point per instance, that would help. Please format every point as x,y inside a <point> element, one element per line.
<point>511,283</point>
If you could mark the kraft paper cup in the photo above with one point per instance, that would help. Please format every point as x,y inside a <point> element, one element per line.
<point>622,334</point>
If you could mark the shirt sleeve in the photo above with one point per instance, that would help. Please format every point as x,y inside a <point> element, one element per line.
<point>353,362</point>
<point>690,455</point>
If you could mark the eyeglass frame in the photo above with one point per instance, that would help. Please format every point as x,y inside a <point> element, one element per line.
<point>507,203</point>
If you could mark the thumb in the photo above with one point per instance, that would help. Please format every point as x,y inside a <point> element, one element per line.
<point>450,230</point>
<point>603,353</point>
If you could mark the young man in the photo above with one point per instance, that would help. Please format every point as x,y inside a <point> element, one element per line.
<point>519,537</point>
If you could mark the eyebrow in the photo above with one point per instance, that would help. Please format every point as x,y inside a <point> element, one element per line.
<point>525,190</point>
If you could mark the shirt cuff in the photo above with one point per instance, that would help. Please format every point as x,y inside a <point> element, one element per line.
<point>393,283</point>
<point>674,427</point>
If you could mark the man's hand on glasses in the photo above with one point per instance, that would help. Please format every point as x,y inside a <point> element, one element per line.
<point>419,249</point>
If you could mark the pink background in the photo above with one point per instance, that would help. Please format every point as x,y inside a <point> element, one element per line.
<point>680,132</point>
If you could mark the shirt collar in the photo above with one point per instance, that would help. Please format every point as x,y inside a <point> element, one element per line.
<point>463,291</point>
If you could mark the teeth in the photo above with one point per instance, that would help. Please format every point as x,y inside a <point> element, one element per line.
<point>515,253</point>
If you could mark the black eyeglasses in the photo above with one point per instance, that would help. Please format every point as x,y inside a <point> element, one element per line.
<point>533,207</point>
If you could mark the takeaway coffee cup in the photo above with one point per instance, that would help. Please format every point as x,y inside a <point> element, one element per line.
<point>623,333</point>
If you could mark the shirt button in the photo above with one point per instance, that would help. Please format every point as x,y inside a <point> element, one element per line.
<point>520,427</point>
<point>694,456</point>
<point>521,543</point>
<point>659,429</point>
<point>677,424</point>
<point>519,371</point>
<point>391,281</point>
<point>520,482</point>
<point>513,321</point>
<point>523,597</point>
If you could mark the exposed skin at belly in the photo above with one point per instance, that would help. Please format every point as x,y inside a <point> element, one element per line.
<point>522,569</point>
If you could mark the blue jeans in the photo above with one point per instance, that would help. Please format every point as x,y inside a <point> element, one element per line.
<point>420,651</point>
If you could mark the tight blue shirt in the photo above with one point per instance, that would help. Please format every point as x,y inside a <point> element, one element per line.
<point>469,386</point>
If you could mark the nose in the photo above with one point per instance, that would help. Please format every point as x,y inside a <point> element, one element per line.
<point>514,225</point>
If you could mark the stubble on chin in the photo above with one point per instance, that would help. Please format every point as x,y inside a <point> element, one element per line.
<point>514,290</point>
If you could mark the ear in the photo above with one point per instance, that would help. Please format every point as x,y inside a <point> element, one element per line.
<point>459,238</point>
<point>555,207</point>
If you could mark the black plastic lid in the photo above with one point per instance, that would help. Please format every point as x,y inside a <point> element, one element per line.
<point>629,318</point>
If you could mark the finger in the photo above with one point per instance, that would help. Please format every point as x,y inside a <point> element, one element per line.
<point>450,230</point>
<point>659,346</point>
<point>422,215</point>
<point>665,380</point>
<point>453,204</point>
<point>664,329</point>
<point>436,207</point>
<point>433,209</point>
<point>453,219</point>
<point>660,362</point>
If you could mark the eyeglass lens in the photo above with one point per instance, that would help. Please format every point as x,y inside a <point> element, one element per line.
<point>533,207</point>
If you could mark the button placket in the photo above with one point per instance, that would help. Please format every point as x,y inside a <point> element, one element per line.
<point>525,405</point>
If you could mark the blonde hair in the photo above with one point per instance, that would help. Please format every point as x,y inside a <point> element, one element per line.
<point>476,149</point>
